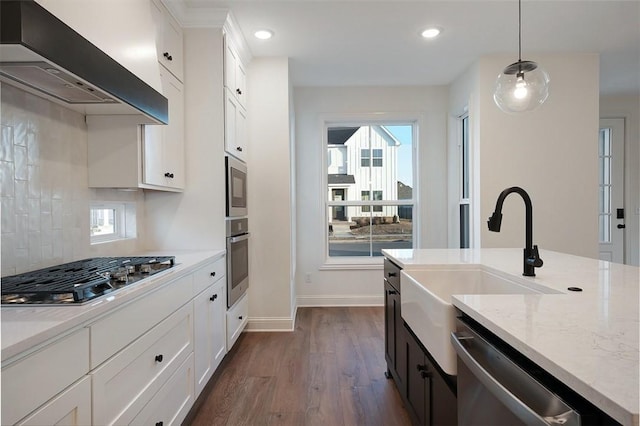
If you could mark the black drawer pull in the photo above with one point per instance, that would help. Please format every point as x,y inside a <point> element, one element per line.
<point>159,358</point>
<point>422,367</point>
<point>214,297</point>
<point>392,292</point>
<point>213,274</point>
<point>166,55</point>
<point>239,148</point>
<point>159,423</point>
<point>240,317</point>
<point>392,274</point>
<point>239,92</point>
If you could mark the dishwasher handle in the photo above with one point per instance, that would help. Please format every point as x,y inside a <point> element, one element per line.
<point>518,407</point>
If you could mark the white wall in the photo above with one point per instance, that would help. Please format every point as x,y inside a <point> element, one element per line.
<point>269,195</point>
<point>44,186</point>
<point>427,105</point>
<point>194,219</point>
<point>628,107</point>
<point>550,152</point>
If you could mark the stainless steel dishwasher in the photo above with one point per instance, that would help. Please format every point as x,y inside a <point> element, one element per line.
<point>494,390</point>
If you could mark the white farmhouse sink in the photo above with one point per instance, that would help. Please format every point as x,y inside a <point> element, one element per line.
<point>427,305</point>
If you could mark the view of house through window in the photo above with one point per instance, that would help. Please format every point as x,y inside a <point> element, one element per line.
<point>370,189</point>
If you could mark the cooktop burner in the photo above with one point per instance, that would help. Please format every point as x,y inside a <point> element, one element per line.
<point>80,281</point>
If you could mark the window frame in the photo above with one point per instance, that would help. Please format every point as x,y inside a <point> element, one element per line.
<point>379,119</point>
<point>123,221</point>
<point>465,185</point>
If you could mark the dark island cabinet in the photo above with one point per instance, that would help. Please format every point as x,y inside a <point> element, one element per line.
<point>395,346</point>
<point>428,393</point>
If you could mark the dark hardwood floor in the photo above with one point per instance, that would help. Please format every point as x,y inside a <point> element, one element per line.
<point>329,371</point>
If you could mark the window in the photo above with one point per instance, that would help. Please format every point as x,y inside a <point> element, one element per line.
<point>604,168</point>
<point>370,202</point>
<point>111,222</point>
<point>465,178</point>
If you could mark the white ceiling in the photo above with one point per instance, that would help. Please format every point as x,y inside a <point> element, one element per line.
<point>363,42</point>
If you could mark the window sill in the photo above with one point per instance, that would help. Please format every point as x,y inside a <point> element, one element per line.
<point>352,263</point>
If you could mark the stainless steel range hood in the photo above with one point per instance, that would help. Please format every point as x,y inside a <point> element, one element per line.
<point>41,54</point>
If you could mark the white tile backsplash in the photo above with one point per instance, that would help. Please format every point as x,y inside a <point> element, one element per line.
<point>44,186</point>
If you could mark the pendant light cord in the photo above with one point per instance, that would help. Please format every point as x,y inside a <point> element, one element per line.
<point>519,30</point>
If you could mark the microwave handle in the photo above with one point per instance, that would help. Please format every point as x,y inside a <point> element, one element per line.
<point>239,238</point>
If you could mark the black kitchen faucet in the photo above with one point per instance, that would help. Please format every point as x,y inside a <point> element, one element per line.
<point>531,257</point>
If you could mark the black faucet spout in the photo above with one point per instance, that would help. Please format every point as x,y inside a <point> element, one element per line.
<point>531,256</point>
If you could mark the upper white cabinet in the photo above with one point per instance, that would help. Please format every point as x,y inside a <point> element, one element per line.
<point>168,40</point>
<point>235,76</point>
<point>123,154</point>
<point>235,126</point>
<point>163,149</point>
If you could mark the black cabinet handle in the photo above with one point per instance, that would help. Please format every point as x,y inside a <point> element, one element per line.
<point>159,358</point>
<point>240,317</point>
<point>214,297</point>
<point>621,226</point>
<point>425,374</point>
<point>392,292</point>
<point>168,175</point>
<point>422,367</point>
<point>159,423</point>
<point>239,148</point>
<point>392,274</point>
<point>166,55</point>
<point>213,274</point>
<point>239,92</point>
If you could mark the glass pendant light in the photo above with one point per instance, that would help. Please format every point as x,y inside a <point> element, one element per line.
<point>523,85</point>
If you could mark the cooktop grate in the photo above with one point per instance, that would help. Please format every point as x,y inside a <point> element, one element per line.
<point>76,278</point>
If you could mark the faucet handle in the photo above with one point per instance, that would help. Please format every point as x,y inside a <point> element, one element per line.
<point>534,258</point>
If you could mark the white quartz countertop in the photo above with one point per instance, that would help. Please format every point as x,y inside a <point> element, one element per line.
<point>589,340</point>
<point>26,327</point>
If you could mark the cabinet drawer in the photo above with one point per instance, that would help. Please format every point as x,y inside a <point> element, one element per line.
<point>392,274</point>
<point>207,275</point>
<point>237,317</point>
<point>125,383</point>
<point>72,407</point>
<point>172,403</point>
<point>116,331</point>
<point>32,381</point>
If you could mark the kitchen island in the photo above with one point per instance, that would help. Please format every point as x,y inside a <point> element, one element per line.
<point>589,340</point>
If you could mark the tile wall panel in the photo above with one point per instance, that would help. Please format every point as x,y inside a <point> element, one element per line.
<point>44,192</point>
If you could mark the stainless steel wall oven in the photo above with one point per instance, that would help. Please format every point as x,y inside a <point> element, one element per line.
<point>236,179</point>
<point>237,259</point>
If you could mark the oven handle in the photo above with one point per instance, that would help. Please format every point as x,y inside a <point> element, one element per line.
<point>237,239</point>
<point>515,404</point>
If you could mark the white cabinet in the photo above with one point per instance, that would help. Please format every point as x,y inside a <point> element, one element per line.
<point>32,381</point>
<point>235,127</point>
<point>71,407</point>
<point>124,384</point>
<point>209,309</point>
<point>163,148</point>
<point>168,40</point>
<point>237,317</point>
<point>124,154</point>
<point>235,76</point>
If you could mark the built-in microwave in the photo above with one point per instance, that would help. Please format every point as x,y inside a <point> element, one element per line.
<point>236,178</point>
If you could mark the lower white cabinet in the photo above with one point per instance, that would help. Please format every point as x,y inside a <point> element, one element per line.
<point>71,407</point>
<point>124,384</point>
<point>237,317</point>
<point>209,332</point>
<point>34,380</point>
<point>172,402</point>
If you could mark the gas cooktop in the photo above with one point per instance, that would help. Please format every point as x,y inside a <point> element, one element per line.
<point>78,282</point>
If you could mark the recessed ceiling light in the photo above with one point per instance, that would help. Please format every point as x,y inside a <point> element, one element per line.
<point>263,34</point>
<point>431,32</point>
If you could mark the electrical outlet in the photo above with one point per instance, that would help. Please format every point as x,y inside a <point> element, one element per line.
<point>307,278</point>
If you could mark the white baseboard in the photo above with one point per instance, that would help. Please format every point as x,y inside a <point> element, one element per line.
<point>270,324</point>
<point>340,300</point>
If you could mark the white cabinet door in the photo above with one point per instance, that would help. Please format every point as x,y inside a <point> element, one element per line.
<point>163,153</point>
<point>235,76</point>
<point>237,317</point>
<point>235,125</point>
<point>169,40</point>
<point>71,407</point>
<point>209,332</point>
